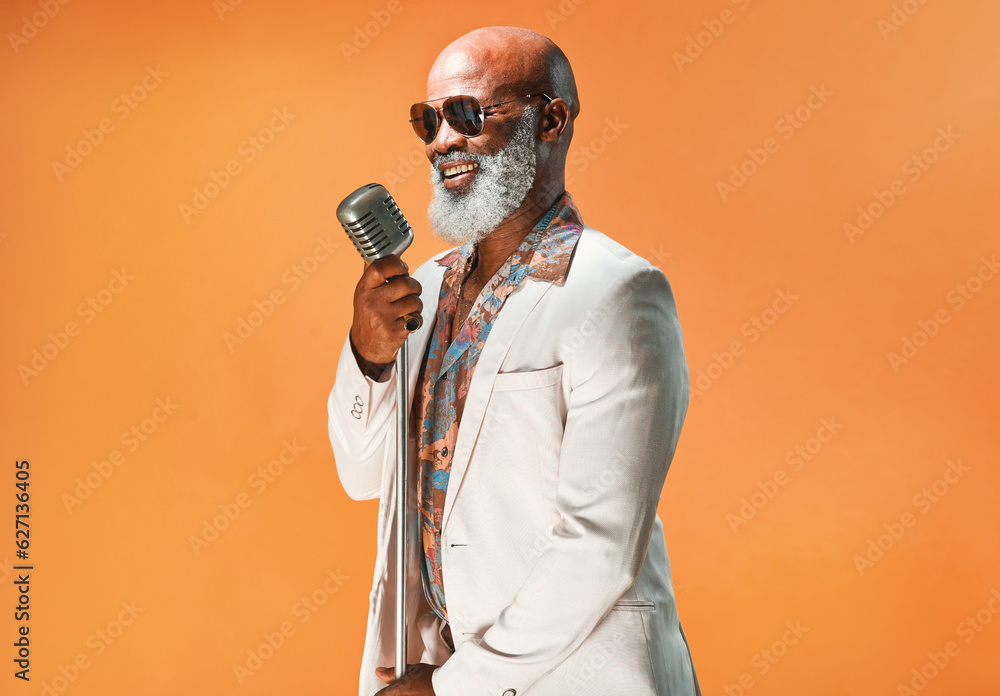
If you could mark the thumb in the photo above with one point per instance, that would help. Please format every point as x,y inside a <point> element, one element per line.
<point>386,674</point>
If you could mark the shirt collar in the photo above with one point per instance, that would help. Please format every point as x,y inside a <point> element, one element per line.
<point>548,248</point>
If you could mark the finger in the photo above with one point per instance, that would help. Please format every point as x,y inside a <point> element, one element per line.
<point>414,322</point>
<point>402,327</point>
<point>411,304</point>
<point>397,287</point>
<point>380,270</point>
<point>386,674</point>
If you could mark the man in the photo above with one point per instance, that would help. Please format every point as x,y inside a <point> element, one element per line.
<point>548,387</point>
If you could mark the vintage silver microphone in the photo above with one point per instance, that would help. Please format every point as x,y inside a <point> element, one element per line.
<point>378,228</point>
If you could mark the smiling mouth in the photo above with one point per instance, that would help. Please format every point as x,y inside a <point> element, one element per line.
<point>452,172</point>
<point>458,176</point>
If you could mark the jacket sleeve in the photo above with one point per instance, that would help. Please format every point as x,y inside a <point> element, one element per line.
<point>628,399</point>
<point>361,413</point>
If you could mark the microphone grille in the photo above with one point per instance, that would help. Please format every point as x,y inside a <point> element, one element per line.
<point>374,223</point>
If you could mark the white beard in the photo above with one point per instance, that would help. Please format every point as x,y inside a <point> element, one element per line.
<point>499,188</point>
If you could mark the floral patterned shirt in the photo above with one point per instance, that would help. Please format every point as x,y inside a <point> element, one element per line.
<point>447,370</point>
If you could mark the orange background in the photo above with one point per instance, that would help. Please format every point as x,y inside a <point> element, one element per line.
<point>652,184</point>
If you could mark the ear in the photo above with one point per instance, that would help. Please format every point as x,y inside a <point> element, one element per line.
<point>555,119</point>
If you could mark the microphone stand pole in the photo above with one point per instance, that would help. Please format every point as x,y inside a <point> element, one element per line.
<point>402,462</point>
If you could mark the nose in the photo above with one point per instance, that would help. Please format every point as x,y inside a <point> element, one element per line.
<point>446,139</point>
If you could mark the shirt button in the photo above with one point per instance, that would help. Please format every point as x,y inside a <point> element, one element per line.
<point>509,692</point>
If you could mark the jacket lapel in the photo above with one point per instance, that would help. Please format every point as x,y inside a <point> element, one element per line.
<point>515,310</point>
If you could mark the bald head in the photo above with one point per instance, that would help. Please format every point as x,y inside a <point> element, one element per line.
<point>516,60</point>
<point>500,181</point>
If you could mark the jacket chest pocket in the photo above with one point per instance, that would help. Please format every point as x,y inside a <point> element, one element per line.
<point>523,425</point>
<point>532,379</point>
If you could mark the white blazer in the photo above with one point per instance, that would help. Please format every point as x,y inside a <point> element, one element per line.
<point>555,571</point>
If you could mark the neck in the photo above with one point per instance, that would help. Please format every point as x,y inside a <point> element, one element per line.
<point>499,244</point>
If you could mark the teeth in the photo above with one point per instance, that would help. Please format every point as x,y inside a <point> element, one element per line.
<point>451,171</point>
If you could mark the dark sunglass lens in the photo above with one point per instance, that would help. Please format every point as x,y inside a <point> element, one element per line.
<point>424,120</point>
<point>464,114</point>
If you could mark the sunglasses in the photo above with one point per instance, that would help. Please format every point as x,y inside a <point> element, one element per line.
<point>462,112</point>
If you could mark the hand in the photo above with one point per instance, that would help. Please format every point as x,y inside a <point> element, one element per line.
<point>416,681</point>
<point>383,298</point>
